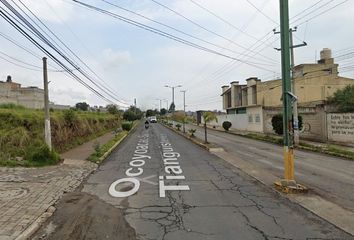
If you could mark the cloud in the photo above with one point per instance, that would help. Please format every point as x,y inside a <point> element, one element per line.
<point>112,60</point>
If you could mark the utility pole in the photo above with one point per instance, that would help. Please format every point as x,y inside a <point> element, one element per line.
<point>288,184</point>
<point>296,133</point>
<point>173,93</point>
<point>292,65</point>
<point>184,109</point>
<point>47,131</point>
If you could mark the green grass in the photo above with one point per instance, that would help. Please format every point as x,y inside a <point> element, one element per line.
<point>101,150</point>
<point>22,131</point>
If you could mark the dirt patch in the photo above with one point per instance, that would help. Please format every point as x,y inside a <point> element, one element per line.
<point>84,216</point>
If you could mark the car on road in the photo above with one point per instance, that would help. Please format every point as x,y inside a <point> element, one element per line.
<point>153,119</point>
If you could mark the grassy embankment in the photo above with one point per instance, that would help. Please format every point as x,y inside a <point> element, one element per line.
<point>22,133</point>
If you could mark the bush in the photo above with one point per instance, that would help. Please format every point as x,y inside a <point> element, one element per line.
<point>43,155</point>
<point>170,124</point>
<point>69,117</point>
<point>11,106</point>
<point>192,131</point>
<point>178,126</point>
<point>277,123</point>
<point>226,125</point>
<point>126,126</point>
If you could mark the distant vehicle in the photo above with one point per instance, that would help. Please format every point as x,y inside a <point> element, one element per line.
<point>153,119</point>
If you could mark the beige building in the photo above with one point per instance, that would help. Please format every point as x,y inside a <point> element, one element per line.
<point>251,106</point>
<point>29,97</point>
<point>313,83</point>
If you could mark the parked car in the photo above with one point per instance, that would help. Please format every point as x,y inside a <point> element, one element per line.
<point>153,119</point>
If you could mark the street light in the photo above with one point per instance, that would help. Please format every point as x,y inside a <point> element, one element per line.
<point>158,99</point>
<point>173,92</point>
<point>184,109</point>
<point>166,103</point>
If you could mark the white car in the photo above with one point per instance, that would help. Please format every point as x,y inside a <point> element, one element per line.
<point>153,119</point>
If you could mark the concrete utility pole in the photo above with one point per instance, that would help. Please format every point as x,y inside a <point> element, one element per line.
<point>184,110</point>
<point>173,92</point>
<point>47,131</point>
<point>288,184</point>
<point>292,65</point>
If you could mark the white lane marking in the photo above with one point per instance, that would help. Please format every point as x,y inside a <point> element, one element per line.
<point>114,193</point>
<point>147,181</point>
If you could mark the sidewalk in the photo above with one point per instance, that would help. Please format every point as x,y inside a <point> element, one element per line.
<point>308,142</point>
<point>27,194</point>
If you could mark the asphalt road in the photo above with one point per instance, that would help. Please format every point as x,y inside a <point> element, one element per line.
<point>329,176</point>
<point>199,197</point>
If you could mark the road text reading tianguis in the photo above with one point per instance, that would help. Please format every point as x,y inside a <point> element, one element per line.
<point>172,168</point>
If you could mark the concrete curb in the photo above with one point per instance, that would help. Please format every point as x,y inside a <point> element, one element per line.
<point>328,211</point>
<point>36,224</point>
<point>301,147</point>
<point>203,145</point>
<point>109,151</point>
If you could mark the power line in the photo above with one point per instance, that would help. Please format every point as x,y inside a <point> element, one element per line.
<point>23,62</point>
<point>306,9</point>
<point>261,12</point>
<point>307,14</point>
<point>205,29</point>
<point>167,35</point>
<point>105,89</point>
<point>173,28</point>
<point>45,51</point>
<point>86,48</point>
<point>50,44</point>
<point>323,12</point>
<point>224,20</point>
<point>231,64</point>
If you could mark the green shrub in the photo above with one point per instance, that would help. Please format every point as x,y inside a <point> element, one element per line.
<point>11,106</point>
<point>226,125</point>
<point>277,123</point>
<point>192,131</point>
<point>178,126</point>
<point>42,155</point>
<point>170,124</point>
<point>126,126</point>
<point>69,117</point>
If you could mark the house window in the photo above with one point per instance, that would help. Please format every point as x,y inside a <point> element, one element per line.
<point>240,110</point>
<point>250,118</point>
<point>257,118</point>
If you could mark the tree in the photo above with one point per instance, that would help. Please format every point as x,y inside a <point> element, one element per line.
<point>83,106</point>
<point>208,117</point>
<point>172,107</point>
<point>132,113</point>
<point>150,113</point>
<point>129,115</point>
<point>344,99</point>
<point>112,109</point>
<point>163,111</point>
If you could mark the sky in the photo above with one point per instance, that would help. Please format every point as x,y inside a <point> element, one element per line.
<point>237,38</point>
